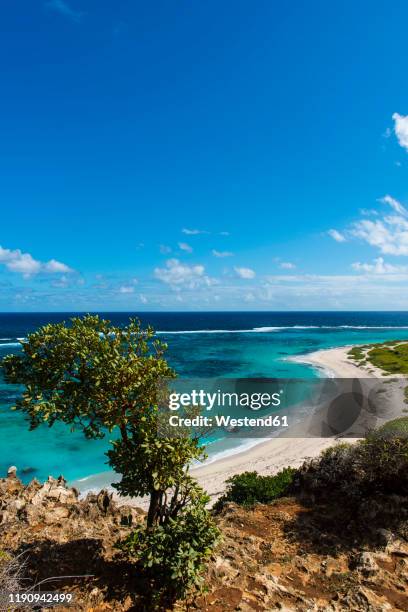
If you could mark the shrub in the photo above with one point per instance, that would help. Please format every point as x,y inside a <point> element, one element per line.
<point>356,353</point>
<point>249,488</point>
<point>392,358</point>
<point>11,572</point>
<point>171,557</point>
<point>377,465</point>
<point>397,426</point>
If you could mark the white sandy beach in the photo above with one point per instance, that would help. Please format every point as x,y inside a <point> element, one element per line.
<point>265,458</point>
<point>336,363</point>
<point>268,457</point>
<point>271,456</point>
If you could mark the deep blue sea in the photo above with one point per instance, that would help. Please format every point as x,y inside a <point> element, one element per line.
<point>233,344</point>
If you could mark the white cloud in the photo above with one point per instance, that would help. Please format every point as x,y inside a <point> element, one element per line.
<point>221,253</point>
<point>25,264</point>
<point>389,235</point>
<point>193,232</point>
<point>379,266</point>
<point>62,7</point>
<point>164,249</point>
<point>54,267</point>
<point>395,205</point>
<point>126,289</point>
<point>61,283</point>
<point>401,129</point>
<point>287,265</point>
<point>179,275</point>
<point>347,292</point>
<point>337,236</point>
<point>249,297</point>
<point>246,273</point>
<point>368,212</point>
<point>143,298</point>
<point>185,247</point>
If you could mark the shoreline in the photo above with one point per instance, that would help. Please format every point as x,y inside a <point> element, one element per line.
<point>270,456</point>
<point>336,364</point>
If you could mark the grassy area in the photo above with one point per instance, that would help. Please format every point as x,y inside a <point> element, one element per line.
<point>356,353</point>
<point>390,358</point>
<point>396,426</point>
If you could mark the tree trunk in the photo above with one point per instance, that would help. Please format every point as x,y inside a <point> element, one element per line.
<point>154,507</point>
<point>123,433</point>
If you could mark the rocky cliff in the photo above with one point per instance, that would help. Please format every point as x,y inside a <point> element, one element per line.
<point>287,555</point>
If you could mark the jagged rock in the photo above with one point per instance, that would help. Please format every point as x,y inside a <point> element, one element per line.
<point>302,563</point>
<point>398,548</point>
<point>12,472</point>
<point>53,503</point>
<point>364,599</point>
<point>286,556</point>
<point>366,564</point>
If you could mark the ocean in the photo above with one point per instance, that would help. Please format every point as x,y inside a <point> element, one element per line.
<point>200,344</point>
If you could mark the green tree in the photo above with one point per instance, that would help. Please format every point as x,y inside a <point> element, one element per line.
<point>100,378</point>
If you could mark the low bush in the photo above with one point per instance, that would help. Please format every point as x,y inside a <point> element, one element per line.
<point>11,572</point>
<point>249,488</point>
<point>170,557</point>
<point>397,426</point>
<point>356,353</point>
<point>392,359</point>
<point>375,466</point>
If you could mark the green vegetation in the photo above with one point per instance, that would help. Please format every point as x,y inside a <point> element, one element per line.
<point>99,378</point>
<point>369,468</point>
<point>356,353</point>
<point>249,488</point>
<point>391,358</point>
<point>398,426</point>
<point>172,555</point>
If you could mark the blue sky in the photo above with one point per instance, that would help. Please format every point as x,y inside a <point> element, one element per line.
<point>195,156</point>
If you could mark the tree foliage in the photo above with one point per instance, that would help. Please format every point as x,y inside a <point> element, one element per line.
<point>88,374</point>
<point>100,378</point>
<point>172,556</point>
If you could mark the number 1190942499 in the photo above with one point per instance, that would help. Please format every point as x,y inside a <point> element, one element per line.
<point>40,599</point>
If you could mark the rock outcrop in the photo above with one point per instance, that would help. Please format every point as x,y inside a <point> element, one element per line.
<point>284,556</point>
<point>57,534</point>
<point>291,557</point>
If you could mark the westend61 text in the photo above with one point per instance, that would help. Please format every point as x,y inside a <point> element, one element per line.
<point>229,422</point>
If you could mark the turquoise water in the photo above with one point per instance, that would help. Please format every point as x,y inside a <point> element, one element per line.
<point>200,345</point>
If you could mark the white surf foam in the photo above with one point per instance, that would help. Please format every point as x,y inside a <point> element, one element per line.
<point>268,329</point>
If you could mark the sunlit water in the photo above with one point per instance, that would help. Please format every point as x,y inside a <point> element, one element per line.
<point>199,345</point>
